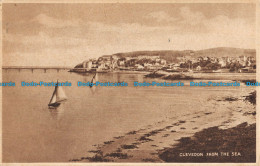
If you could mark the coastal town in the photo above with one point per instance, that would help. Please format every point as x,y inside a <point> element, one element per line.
<point>190,63</point>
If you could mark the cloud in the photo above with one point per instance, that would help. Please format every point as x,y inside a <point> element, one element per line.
<point>44,50</point>
<point>161,16</point>
<point>59,40</point>
<point>44,40</point>
<point>186,16</point>
<point>52,22</point>
<point>223,25</point>
<point>191,17</point>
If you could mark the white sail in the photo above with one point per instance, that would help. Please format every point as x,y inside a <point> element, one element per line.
<point>60,94</point>
<point>53,99</point>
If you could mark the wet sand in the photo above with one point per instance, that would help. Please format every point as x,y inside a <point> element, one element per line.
<point>216,125</point>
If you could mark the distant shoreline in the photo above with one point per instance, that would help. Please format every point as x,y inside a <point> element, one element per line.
<point>201,76</point>
<point>75,70</point>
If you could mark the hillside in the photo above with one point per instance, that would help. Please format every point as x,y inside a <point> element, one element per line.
<point>212,52</point>
<point>171,55</point>
<point>226,51</point>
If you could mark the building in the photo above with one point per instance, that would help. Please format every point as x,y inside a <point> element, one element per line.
<point>121,62</point>
<point>163,61</point>
<point>87,64</point>
<point>198,68</point>
<point>139,67</point>
<point>222,63</point>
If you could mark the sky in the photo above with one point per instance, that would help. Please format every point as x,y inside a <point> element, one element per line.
<point>67,34</point>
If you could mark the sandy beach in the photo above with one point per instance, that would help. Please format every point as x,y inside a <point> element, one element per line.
<point>220,120</point>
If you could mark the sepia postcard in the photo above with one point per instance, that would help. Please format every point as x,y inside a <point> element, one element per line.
<point>130,82</point>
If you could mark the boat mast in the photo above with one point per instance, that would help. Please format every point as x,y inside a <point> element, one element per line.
<point>54,92</point>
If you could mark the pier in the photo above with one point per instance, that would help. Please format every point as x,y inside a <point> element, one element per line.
<point>32,68</point>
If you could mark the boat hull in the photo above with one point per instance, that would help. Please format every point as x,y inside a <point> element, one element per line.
<point>53,105</point>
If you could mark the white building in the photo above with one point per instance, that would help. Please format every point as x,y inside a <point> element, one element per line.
<point>87,64</point>
<point>198,68</point>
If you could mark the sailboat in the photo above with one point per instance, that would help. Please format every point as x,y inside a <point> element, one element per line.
<point>94,80</point>
<point>58,96</point>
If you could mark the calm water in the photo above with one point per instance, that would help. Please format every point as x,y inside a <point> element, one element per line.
<point>33,133</point>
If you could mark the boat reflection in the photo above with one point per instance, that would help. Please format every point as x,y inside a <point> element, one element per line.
<point>140,78</point>
<point>57,113</point>
<point>94,80</point>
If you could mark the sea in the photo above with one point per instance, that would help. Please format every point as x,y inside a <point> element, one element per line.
<point>34,133</point>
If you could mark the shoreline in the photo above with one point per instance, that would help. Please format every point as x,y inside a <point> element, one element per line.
<point>185,75</point>
<point>156,142</point>
<point>161,71</point>
<point>200,76</point>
